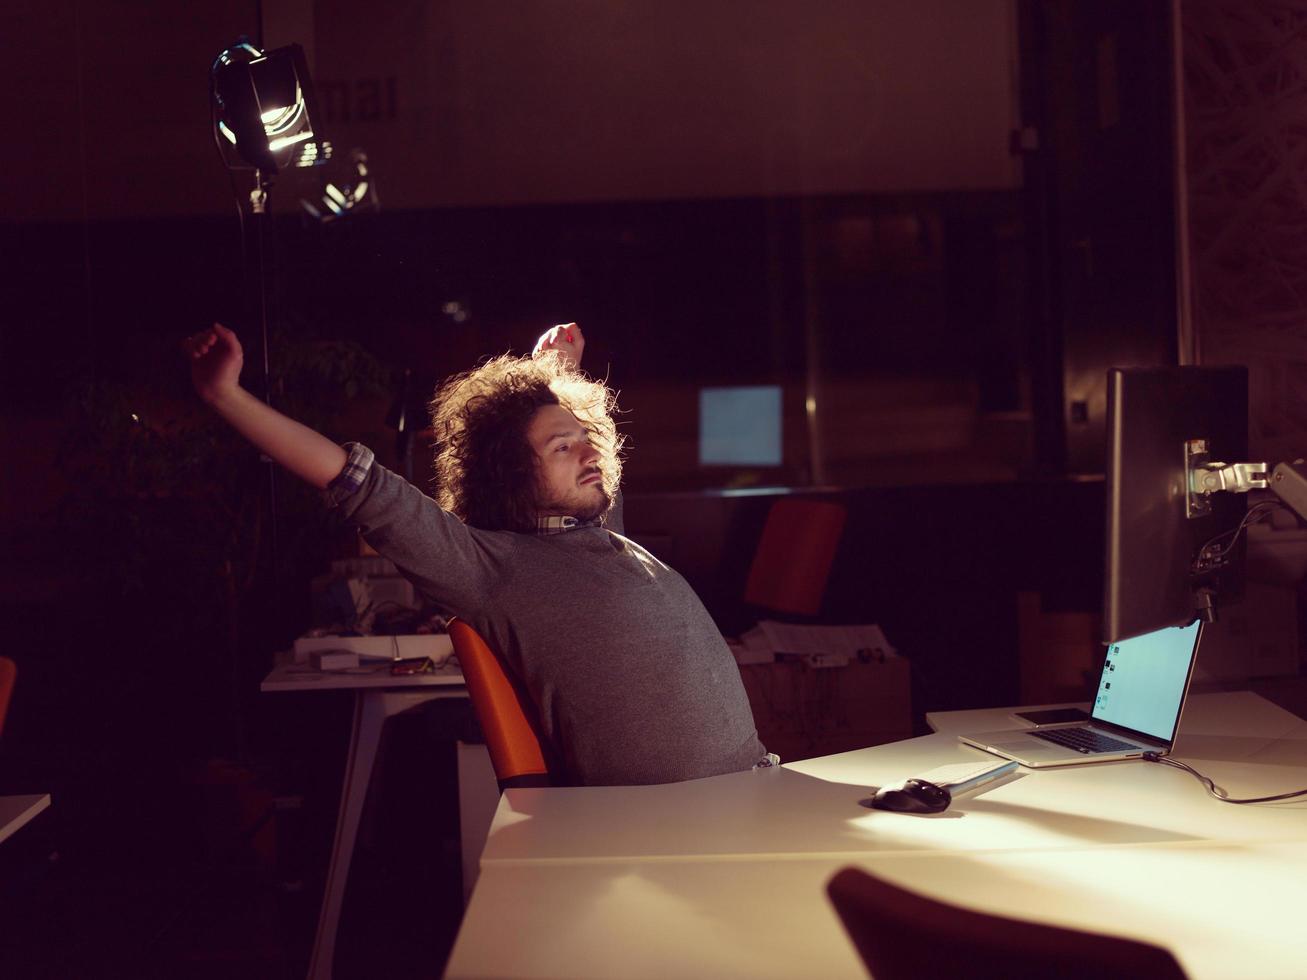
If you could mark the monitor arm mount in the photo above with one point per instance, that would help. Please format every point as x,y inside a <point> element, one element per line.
<point>1205,476</point>
<point>1288,481</point>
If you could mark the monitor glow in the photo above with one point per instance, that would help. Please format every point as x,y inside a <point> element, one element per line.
<point>740,426</point>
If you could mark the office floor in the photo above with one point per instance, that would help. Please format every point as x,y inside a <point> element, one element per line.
<point>141,871</point>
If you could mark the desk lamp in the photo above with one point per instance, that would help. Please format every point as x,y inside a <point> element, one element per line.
<point>346,186</point>
<point>263,110</point>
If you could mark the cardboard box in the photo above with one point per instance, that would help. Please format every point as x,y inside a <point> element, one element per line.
<point>802,711</point>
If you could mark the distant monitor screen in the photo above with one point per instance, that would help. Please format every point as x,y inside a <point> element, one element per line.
<point>740,426</point>
<point>1144,680</point>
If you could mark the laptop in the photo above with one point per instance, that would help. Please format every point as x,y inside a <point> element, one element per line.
<point>1141,693</point>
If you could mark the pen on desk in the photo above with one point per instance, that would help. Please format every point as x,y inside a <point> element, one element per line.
<point>980,779</point>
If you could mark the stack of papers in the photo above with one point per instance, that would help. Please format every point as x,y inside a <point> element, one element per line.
<point>437,646</point>
<point>828,645</point>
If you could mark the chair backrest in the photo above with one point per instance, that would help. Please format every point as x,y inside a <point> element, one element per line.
<point>902,935</point>
<point>509,721</point>
<point>794,555</point>
<point>8,674</point>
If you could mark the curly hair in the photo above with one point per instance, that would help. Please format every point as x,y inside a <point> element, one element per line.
<point>486,472</point>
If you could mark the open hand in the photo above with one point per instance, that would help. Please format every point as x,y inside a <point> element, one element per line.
<point>216,358</point>
<point>566,338</point>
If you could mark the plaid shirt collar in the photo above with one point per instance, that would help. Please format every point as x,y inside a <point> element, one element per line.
<point>557,525</point>
<point>359,462</point>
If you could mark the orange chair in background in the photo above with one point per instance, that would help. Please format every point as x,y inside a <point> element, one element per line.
<point>518,750</point>
<point>794,555</point>
<point>903,936</point>
<point>8,674</point>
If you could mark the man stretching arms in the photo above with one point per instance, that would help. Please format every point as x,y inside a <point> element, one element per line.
<point>631,677</point>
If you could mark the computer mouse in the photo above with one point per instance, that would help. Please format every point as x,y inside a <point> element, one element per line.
<point>914,796</point>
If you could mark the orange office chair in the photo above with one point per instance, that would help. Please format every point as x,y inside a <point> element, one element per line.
<point>8,674</point>
<point>905,936</point>
<point>794,555</point>
<point>518,751</point>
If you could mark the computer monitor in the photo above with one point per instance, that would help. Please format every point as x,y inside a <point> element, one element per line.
<point>740,426</point>
<point>1155,417</point>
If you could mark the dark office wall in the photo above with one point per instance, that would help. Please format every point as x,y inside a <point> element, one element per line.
<point>466,103</point>
<point>937,566</point>
<point>1101,111</point>
<point>1247,208</point>
<point>107,102</point>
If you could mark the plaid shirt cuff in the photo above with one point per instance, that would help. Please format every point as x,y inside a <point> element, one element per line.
<point>349,479</point>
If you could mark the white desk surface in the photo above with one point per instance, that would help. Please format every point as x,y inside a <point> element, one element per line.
<point>302,677</point>
<point>16,811</point>
<point>811,808</point>
<point>725,876</point>
<point>1225,912</point>
<point>1226,713</point>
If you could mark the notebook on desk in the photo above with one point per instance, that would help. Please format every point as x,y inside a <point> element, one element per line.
<point>1141,694</point>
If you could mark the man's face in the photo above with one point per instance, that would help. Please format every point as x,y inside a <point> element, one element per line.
<point>569,482</point>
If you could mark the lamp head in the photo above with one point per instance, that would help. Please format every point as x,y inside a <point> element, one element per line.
<point>344,187</point>
<point>263,106</point>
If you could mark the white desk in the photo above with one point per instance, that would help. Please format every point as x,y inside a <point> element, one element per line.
<point>377,696</point>
<point>726,876</point>
<point>17,811</point>
<point>1229,912</point>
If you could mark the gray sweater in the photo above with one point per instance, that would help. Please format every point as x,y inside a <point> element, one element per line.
<point>632,679</point>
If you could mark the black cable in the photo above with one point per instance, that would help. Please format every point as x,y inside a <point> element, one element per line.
<point>1255,513</point>
<point>1216,791</point>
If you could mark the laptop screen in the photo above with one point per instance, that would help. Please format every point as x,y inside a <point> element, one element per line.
<point>1144,680</point>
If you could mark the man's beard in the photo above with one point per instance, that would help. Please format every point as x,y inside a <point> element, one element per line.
<point>597,509</point>
<point>582,506</point>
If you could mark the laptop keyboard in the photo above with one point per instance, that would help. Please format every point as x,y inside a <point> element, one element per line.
<point>1083,740</point>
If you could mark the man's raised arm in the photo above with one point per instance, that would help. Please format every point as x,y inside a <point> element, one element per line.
<point>216,360</point>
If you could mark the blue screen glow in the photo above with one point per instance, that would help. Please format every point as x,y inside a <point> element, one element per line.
<point>740,426</point>
<point>1144,680</point>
